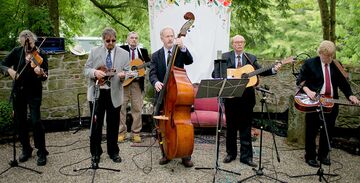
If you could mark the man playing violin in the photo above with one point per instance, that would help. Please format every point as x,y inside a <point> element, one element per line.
<point>320,75</point>
<point>28,74</point>
<point>158,69</point>
<point>110,96</point>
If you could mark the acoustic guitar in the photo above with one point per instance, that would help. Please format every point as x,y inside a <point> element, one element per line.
<point>303,103</point>
<point>136,65</point>
<point>248,71</point>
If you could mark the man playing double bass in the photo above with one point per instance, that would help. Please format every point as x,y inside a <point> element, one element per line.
<point>158,70</point>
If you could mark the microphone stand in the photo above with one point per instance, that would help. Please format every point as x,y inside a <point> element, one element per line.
<point>320,171</point>
<point>12,99</point>
<point>259,171</point>
<point>95,162</point>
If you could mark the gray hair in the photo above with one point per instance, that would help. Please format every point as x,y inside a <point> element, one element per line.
<point>166,28</point>
<point>108,31</point>
<point>132,32</point>
<point>26,34</point>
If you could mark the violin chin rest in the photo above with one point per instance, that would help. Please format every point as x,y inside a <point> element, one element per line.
<point>161,117</point>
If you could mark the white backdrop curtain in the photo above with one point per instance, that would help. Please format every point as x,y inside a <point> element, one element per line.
<point>209,35</point>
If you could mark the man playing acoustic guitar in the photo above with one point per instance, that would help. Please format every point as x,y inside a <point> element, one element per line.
<point>133,92</point>
<point>239,110</point>
<point>320,75</point>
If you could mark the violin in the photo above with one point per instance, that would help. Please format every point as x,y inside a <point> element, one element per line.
<point>35,60</point>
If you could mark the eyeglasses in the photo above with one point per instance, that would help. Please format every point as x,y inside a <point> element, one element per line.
<point>239,42</point>
<point>108,40</point>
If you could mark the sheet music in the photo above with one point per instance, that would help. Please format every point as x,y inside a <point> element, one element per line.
<point>226,88</point>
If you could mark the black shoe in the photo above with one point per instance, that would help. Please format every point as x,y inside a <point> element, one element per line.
<point>163,161</point>
<point>41,161</point>
<point>325,161</point>
<point>116,158</point>
<point>95,162</point>
<point>187,162</point>
<point>312,162</point>
<point>229,158</point>
<point>95,159</point>
<point>25,155</point>
<point>249,162</point>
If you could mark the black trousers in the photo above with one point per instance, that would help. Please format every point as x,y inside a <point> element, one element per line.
<point>313,123</point>
<point>102,106</point>
<point>23,100</point>
<point>239,116</point>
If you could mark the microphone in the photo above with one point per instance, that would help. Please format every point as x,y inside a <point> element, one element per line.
<point>264,90</point>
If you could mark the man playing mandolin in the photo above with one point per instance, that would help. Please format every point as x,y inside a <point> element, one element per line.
<point>133,92</point>
<point>320,75</point>
<point>107,96</point>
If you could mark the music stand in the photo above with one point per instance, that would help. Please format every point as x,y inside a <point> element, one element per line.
<point>79,127</point>
<point>220,88</point>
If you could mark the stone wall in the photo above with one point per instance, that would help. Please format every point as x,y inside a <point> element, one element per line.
<point>66,81</point>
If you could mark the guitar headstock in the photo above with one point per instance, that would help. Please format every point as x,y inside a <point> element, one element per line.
<point>185,28</point>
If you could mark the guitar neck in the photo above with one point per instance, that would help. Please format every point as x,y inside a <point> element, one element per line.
<point>261,70</point>
<point>143,65</point>
<point>341,102</point>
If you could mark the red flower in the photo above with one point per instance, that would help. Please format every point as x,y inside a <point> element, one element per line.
<point>227,3</point>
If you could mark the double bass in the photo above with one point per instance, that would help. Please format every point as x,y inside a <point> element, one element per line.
<point>173,108</point>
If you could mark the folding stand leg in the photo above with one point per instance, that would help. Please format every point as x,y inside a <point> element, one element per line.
<point>259,171</point>
<point>216,167</point>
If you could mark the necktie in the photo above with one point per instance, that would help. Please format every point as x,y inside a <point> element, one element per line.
<point>132,54</point>
<point>108,60</point>
<point>168,57</point>
<point>327,81</point>
<point>238,61</point>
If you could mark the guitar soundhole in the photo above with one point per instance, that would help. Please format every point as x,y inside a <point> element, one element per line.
<point>133,68</point>
<point>245,75</point>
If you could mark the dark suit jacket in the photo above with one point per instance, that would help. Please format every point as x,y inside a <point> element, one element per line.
<point>144,56</point>
<point>311,72</point>
<point>248,96</point>
<point>158,66</point>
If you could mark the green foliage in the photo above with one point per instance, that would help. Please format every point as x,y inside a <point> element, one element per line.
<point>272,28</point>
<point>348,30</point>
<point>17,16</point>
<point>294,32</point>
<point>5,116</point>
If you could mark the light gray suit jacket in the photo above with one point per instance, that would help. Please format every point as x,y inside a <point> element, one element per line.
<point>96,59</point>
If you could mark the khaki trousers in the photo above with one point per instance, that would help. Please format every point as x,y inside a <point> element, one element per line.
<point>132,93</point>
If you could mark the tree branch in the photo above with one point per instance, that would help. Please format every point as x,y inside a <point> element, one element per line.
<point>97,4</point>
